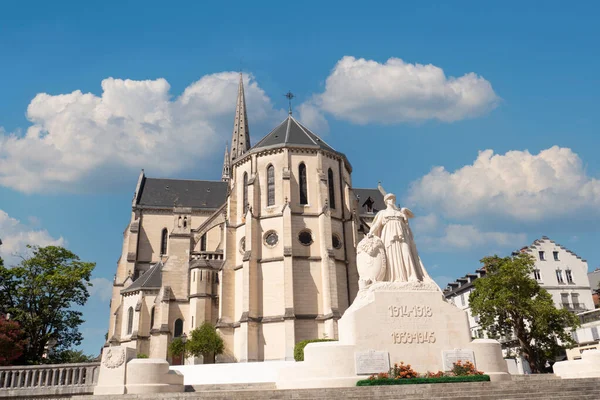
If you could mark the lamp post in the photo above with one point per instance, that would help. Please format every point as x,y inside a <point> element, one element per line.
<point>183,340</point>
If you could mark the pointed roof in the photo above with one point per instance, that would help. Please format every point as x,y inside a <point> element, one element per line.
<point>226,166</point>
<point>240,139</point>
<point>151,279</point>
<point>292,133</point>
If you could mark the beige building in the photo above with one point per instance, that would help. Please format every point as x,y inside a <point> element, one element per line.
<point>267,254</point>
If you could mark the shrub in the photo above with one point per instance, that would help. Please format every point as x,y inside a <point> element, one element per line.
<point>372,381</point>
<point>401,371</point>
<point>465,369</point>
<point>299,347</point>
<point>205,341</point>
<point>438,374</point>
<point>142,355</point>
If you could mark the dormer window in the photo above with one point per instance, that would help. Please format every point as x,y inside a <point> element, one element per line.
<point>542,256</point>
<point>555,254</point>
<point>368,205</point>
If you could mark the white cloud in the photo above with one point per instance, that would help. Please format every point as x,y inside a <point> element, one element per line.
<point>524,186</point>
<point>101,288</point>
<point>467,237</point>
<point>364,91</point>
<point>16,236</point>
<point>80,140</point>
<point>313,118</point>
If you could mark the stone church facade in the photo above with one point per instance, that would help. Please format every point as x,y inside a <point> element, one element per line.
<point>267,254</point>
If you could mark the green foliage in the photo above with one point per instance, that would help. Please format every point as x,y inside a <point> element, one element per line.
<point>417,381</point>
<point>40,292</point>
<point>71,357</point>
<point>507,300</point>
<point>299,347</point>
<point>205,341</point>
<point>142,355</point>
<point>12,340</point>
<point>176,347</point>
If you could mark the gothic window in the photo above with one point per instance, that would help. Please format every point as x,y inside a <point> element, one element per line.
<point>270,185</point>
<point>245,196</point>
<point>302,183</point>
<point>152,318</point>
<point>203,242</point>
<point>331,189</point>
<point>271,239</point>
<point>130,320</point>
<point>178,329</point>
<point>336,241</point>
<point>163,242</point>
<point>305,237</point>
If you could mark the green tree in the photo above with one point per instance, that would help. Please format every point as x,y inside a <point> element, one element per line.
<point>12,340</point>
<point>177,347</point>
<point>508,301</point>
<point>205,341</point>
<point>71,357</point>
<point>40,292</point>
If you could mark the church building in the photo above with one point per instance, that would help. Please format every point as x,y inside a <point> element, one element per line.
<point>267,254</point>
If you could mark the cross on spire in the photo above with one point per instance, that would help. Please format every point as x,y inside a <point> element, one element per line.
<point>289,95</point>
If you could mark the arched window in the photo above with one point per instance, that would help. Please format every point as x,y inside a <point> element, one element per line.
<point>203,242</point>
<point>245,196</point>
<point>270,185</point>
<point>163,242</point>
<point>130,320</point>
<point>151,317</point>
<point>331,190</point>
<point>178,330</point>
<point>302,183</point>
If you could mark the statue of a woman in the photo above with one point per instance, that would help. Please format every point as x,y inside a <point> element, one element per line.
<point>402,260</point>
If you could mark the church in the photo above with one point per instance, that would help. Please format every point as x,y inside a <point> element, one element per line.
<point>267,254</point>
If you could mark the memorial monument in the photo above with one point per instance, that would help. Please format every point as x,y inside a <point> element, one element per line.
<point>398,315</point>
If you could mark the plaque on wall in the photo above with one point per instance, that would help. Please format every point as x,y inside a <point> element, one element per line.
<point>452,356</point>
<point>371,362</point>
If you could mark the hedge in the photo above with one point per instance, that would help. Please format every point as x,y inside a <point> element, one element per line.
<point>417,381</point>
<point>299,347</point>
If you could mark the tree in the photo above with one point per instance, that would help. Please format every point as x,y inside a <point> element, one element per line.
<point>12,340</point>
<point>205,341</point>
<point>71,357</point>
<point>508,301</point>
<point>40,292</point>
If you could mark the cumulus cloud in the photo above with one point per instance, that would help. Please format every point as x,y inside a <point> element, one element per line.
<point>311,116</point>
<point>467,237</point>
<point>77,140</point>
<point>518,184</point>
<point>16,236</point>
<point>101,288</point>
<point>364,91</point>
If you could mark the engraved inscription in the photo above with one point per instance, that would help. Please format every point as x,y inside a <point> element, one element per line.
<point>404,337</point>
<point>451,356</point>
<point>371,362</point>
<point>408,311</point>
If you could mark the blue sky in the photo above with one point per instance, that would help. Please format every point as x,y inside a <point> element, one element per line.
<point>481,116</point>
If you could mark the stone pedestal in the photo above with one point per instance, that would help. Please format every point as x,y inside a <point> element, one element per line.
<point>152,375</point>
<point>587,367</point>
<point>411,322</point>
<point>112,375</point>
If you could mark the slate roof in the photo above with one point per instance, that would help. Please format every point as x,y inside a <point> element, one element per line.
<point>289,133</point>
<point>363,194</point>
<point>182,193</point>
<point>151,279</point>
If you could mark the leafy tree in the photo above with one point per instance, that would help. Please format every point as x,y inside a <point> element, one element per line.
<point>12,341</point>
<point>40,292</point>
<point>71,357</point>
<point>508,301</point>
<point>177,347</point>
<point>205,341</point>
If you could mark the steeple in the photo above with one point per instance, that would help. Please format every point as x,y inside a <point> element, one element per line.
<point>240,140</point>
<point>226,166</point>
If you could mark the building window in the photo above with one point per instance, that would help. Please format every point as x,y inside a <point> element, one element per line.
<point>569,276</point>
<point>555,254</point>
<point>271,239</point>
<point>336,241</point>
<point>559,276</point>
<point>302,183</point>
<point>595,335</point>
<point>536,274</point>
<point>163,242</point>
<point>151,317</point>
<point>564,298</point>
<point>203,242</point>
<point>462,299</point>
<point>178,329</point>
<point>331,189</point>
<point>270,185</point>
<point>130,320</point>
<point>242,246</point>
<point>574,336</point>
<point>542,256</point>
<point>245,194</point>
<point>575,299</point>
<point>305,237</point>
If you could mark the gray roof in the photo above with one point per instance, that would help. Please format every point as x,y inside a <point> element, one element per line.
<point>182,193</point>
<point>594,277</point>
<point>291,132</point>
<point>363,194</point>
<point>151,279</point>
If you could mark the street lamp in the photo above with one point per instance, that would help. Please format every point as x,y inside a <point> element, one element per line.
<point>183,340</point>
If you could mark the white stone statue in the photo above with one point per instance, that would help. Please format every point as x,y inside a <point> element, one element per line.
<point>389,253</point>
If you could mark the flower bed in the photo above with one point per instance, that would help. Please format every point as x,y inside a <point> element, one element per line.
<point>417,381</point>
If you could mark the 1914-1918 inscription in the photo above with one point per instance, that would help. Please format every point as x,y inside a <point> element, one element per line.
<point>371,362</point>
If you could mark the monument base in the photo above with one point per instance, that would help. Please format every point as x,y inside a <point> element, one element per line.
<point>587,367</point>
<point>390,323</point>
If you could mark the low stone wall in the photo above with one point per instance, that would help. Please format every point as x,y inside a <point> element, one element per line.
<point>48,381</point>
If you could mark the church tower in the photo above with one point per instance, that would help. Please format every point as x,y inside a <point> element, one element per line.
<point>240,139</point>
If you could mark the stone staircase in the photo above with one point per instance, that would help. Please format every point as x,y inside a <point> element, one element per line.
<point>534,388</point>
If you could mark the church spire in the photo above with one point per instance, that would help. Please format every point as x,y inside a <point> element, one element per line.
<point>240,140</point>
<point>226,166</point>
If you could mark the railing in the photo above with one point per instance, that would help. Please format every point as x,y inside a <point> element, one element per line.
<point>48,380</point>
<point>207,255</point>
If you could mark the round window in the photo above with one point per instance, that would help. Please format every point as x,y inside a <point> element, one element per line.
<point>336,241</point>
<point>305,237</point>
<point>243,245</point>
<point>271,238</point>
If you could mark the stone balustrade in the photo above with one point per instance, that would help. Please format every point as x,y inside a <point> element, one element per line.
<point>207,255</point>
<point>60,380</point>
